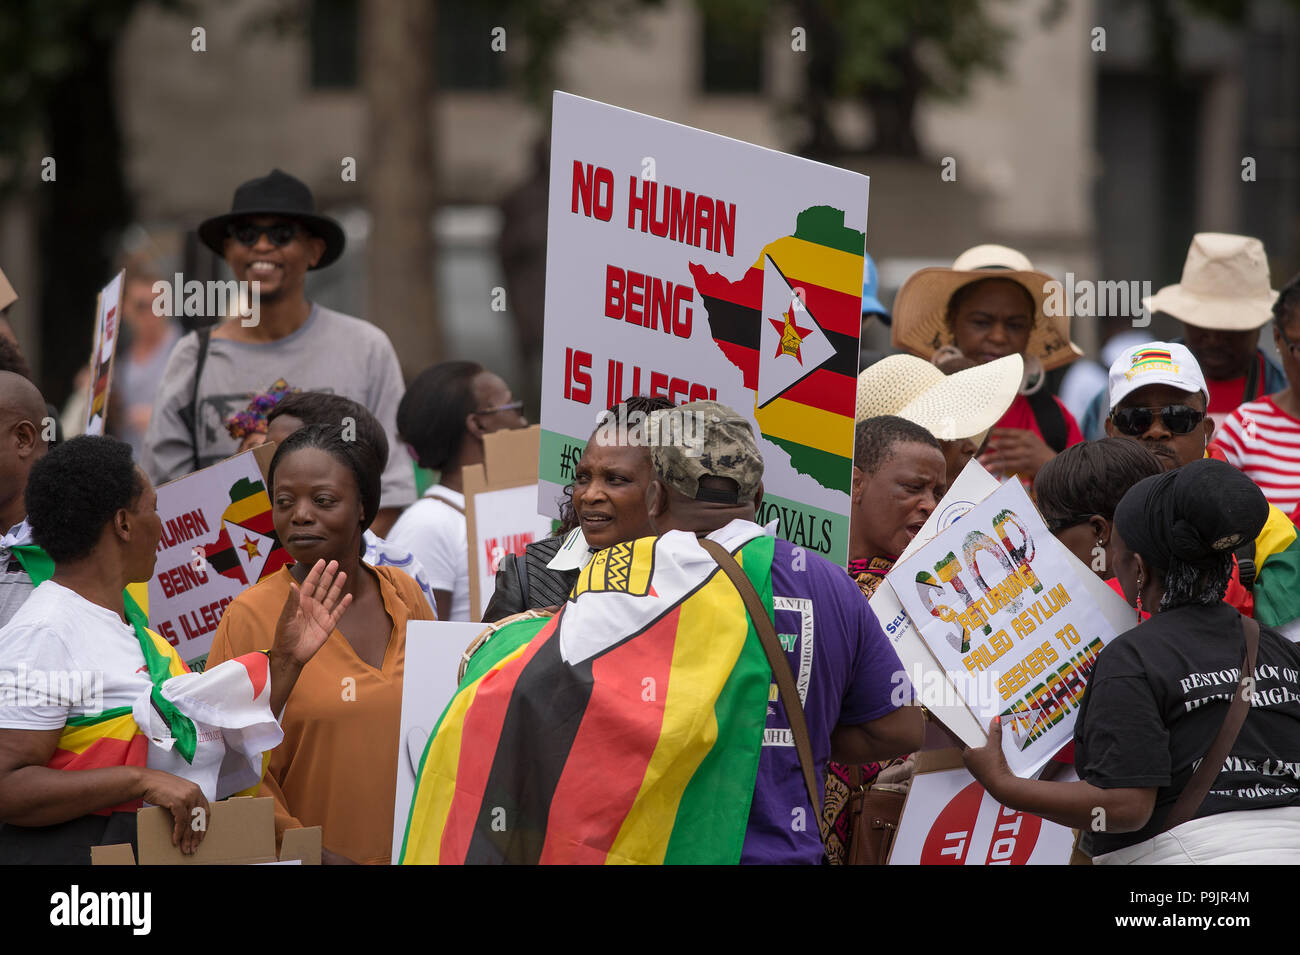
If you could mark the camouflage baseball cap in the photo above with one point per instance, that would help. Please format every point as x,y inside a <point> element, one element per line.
<point>705,439</point>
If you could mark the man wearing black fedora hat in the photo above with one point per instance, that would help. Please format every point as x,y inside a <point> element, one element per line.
<point>273,236</point>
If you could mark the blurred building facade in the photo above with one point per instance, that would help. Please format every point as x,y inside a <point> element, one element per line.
<point>1058,156</point>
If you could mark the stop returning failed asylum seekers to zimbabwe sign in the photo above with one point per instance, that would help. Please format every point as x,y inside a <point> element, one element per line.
<point>1009,621</point>
<point>685,265</point>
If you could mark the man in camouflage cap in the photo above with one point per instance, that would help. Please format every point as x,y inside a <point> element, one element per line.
<point>709,481</point>
<point>707,453</point>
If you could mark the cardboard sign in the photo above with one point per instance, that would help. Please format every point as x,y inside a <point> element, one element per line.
<point>433,652</point>
<point>218,539</point>
<point>500,508</point>
<point>108,318</point>
<point>948,819</point>
<point>241,831</point>
<point>1008,620</point>
<point>686,265</point>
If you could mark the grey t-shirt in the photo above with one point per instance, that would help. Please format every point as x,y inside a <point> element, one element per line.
<point>330,352</point>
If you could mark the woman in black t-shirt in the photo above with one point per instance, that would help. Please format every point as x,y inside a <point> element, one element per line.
<point>1158,695</point>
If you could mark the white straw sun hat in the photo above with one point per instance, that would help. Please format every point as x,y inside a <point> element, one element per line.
<point>951,407</point>
<point>921,306</point>
<point>1225,285</point>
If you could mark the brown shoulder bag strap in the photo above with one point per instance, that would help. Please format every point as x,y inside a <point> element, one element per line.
<point>1198,787</point>
<point>781,671</point>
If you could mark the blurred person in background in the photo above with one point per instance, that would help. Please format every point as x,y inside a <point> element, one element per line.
<point>871,309</point>
<point>140,364</point>
<point>989,305</point>
<point>273,236</point>
<point>443,417</point>
<point>606,505</point>
<point>1262,438</point>
<point>1223,300</point>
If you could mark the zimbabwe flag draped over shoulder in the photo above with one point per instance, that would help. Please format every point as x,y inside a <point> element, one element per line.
<point>626,729</point>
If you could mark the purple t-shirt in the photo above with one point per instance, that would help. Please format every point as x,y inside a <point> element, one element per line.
<point>846,671</point>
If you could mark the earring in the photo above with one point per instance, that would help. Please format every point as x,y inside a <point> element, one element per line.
<point>1139,597</point>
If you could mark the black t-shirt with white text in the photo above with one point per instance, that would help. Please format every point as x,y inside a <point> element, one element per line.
<point>1156,700</point>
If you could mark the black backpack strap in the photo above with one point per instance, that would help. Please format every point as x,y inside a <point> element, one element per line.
<point>190,412</point>
<point>1246,569</point>
<point>1051,421</point>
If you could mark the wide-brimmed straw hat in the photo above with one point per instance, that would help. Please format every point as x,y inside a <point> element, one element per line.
<point>275,194</point>
<point>921,306</point>
<point>951,407</point>
<point>1225,285</point>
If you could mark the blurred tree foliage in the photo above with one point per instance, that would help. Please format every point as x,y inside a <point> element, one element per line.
<point>57,99</point>
<point>885,54</point>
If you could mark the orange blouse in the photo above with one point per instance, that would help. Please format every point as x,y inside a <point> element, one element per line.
<point>337,765</point>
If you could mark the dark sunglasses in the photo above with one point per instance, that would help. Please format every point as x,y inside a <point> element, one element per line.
<point>1179,419</point>
<point>1058,524</point>
<point>280,234</point>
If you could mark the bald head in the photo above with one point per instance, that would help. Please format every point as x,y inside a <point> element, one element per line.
<point>19,398</point>
<point>22,442</point>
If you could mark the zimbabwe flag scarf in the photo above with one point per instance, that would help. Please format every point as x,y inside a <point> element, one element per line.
<point>626,729</point>
<point>112,738</point>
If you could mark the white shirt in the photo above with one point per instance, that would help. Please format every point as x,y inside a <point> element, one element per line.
<point>434,530</point>
<point>62,656</point>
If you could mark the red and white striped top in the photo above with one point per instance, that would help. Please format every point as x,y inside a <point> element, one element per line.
<point>1263,442</point>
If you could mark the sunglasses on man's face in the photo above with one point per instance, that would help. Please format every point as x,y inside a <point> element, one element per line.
<point>1179,419</point>
<point>280,234</point>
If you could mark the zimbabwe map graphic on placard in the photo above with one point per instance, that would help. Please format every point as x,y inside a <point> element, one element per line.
<point>791,325</point>
<point>247,549</point>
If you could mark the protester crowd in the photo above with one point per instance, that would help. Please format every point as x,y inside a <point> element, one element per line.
<point>1179,486</point>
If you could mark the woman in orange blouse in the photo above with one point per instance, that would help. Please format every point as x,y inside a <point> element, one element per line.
<point>337,766</point>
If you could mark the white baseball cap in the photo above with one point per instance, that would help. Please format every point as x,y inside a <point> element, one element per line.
<point>1155,363</point>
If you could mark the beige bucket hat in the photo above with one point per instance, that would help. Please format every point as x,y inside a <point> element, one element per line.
<point>7,294</point>
<point>951,407</point>
<point>920,308</point>
<point>1225,285</point>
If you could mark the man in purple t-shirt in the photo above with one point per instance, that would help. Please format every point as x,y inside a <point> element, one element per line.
<point>845,669</point>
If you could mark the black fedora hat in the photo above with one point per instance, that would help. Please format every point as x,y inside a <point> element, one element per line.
<point>276,194</point>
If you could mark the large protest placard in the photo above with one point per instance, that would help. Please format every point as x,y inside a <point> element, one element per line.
<point>686,265</point>
<point>433,653</point>
<point>500,508</point>
<point>218,538</point>
<point>949,819</point>
<point>108,318</point>
<point>1005,616</point>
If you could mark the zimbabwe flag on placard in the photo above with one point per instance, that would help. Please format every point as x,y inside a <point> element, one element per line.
<point>247,549</point>
<point>626,729</point>
<point>811,417</point>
